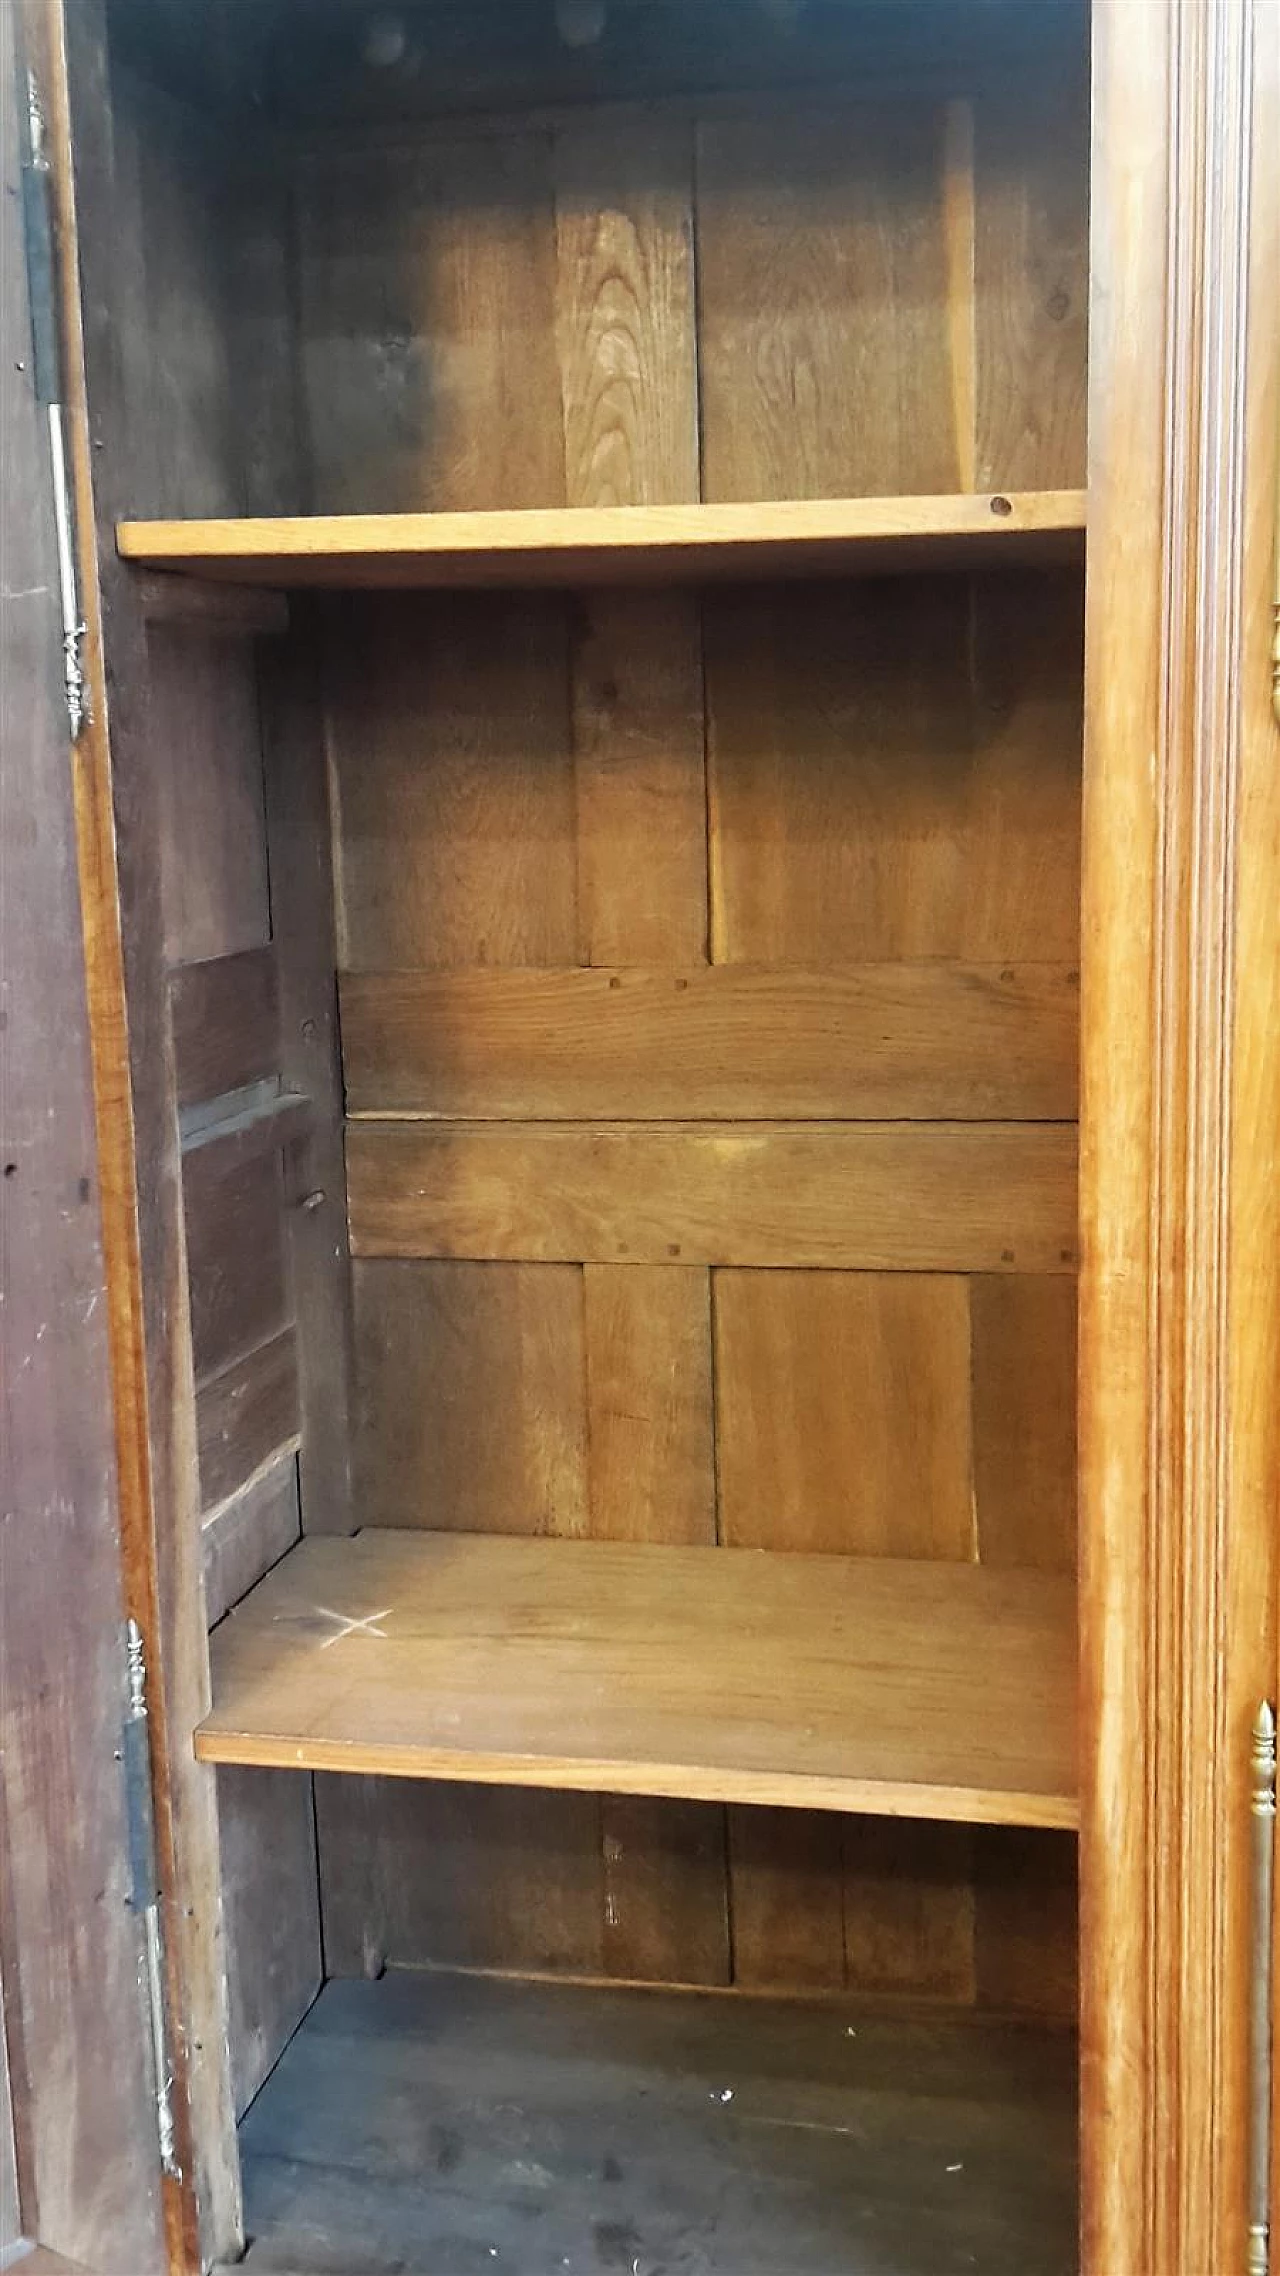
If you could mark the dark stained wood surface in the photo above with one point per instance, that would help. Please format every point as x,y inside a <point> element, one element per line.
<point>300,858</point>
<point>88,2171</point>
<point>226,1023</point>
<point>435,2125</point>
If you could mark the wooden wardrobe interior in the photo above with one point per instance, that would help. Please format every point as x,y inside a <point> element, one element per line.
<point>625,1011</point>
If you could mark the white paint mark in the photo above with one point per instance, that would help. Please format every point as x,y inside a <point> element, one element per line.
<point>956,2168</point>
<point>343,1627</point>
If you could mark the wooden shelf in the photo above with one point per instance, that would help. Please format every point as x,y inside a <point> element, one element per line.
<point>919,1689</point>
<point>621,544</point>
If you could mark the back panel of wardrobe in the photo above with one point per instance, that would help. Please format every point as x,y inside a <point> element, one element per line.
<point>611,859</point>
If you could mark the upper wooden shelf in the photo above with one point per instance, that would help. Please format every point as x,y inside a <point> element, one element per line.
<point>618,544</point>
<point>898,1689</point>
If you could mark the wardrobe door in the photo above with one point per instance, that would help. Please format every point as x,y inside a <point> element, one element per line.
<point>86,2180</point>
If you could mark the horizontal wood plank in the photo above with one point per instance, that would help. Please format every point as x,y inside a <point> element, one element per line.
<point>248,1534</point>
<point>245,1415</point>
<point>242,613</point>
<point>603,544</point>
<point>226,1023</point>
<point>912,1041</point>
<point>881,1197</point>
<point>713,1674</point>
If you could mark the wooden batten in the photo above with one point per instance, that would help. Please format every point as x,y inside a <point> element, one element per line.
<point>909,1042</point>
<point>995,1197</point>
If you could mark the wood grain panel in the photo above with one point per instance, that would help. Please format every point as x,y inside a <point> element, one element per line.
<point>788,1899</point>
<point>271,1912</point>
<point>204,706</point>
<point>624,310</point>
<point>428,301</point>
<point>909,1908</point>
<point>301,857</point>
<point>649,1427</point>
<point>842,1412</point>
<point>895,771</point>
<point>483,1877</point>
<point>822,293</point>
<point>226,1023</point>
<point>248,1534</point>
<point>878,1197</point>
<point>455,784</point>
<point>1022,844</point>
<point>666,1898</point>
<point>900,1041</point>
<point>246,1414</point>
<point>1024,1421</point>
<point>1031,281</point>
<point>1027,1925</point>
<point>236,1274</point>
<point>840,740</point>
<point>639,753</point>
<point>471,1401</point>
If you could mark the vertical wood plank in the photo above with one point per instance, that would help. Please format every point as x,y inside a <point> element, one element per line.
<point>908,1906</point>
<point>666,1913</point>
<point>1027,1921</point>
<point>638,738</point>
<point>204,716</point>
<point>822,294</point>
<point>625,310</point>
<point>463,1876</point>
<point>1024,1419</point>
<point>788,1900</point>
<point>1032,282</point>
<point>300,853</point>
<point>842,1412</point>
<point>649,1427</point>
<point>840,744</point>
<point>271,1900</point>
<point>428,305</point>
<point>456,785</point>
<point>1022,842</point>
<point>471,1409</point>
<point>959,227</point>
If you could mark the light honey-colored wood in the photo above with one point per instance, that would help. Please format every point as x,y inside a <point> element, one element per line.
<point>874,1197</point>
<point>592,545</point>
<point>1180,1342</point>
<point>896,1040</point>
<point>710,1674</point>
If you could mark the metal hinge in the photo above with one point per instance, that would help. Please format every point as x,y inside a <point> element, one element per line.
<point>1263,1805</point>
<point>145,1885</point>
<point>46,350</point>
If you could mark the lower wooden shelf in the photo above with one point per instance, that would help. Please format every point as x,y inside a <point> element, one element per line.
<point>438,2125</point>
<point>923,1690</point>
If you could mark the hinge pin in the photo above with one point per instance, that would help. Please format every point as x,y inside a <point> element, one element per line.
<point>145,1898</point>
<point>1263,1807</point>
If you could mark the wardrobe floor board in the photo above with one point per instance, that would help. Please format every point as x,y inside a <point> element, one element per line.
<point>445,2125</point>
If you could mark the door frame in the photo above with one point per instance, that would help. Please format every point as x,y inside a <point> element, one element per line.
<point>1180,1197</point>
